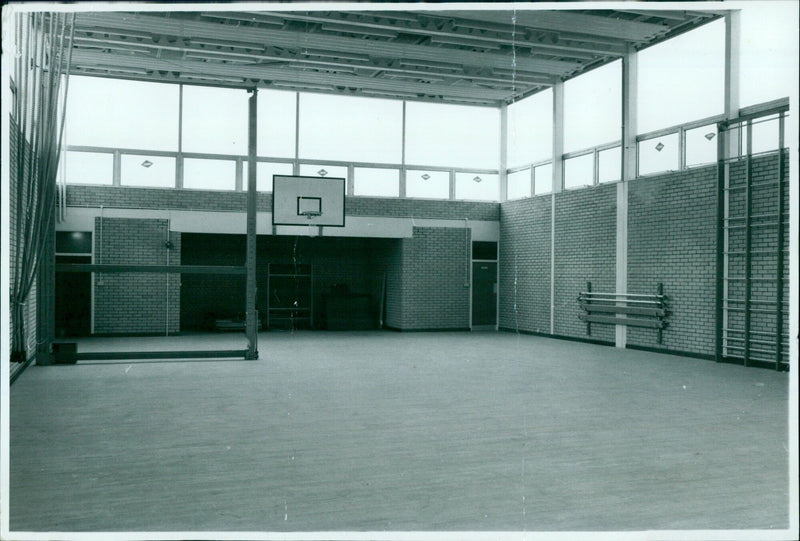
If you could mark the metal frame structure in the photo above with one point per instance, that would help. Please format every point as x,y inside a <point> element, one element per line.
<point>737,342</point>
<point>455,56</point>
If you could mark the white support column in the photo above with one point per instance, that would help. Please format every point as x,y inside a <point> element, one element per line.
<point>503,166</point>
<point>296,164</point>
<point>558,137</point>
<point>731,89</point>
<point>557,184</point>
<point>403,156</point>
<point>629,100</point>
<point>731,140</point>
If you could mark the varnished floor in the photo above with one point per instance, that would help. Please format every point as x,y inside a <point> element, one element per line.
<point>383,431</point>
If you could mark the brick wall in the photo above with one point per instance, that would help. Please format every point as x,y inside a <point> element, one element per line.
<point>162,198</point>
<point>585,248</point>
<point>525,230</point>
<point>672,240</point>
<point>136,303</point>
<point>434,268</point>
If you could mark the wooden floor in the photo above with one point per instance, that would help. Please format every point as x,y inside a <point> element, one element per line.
<point>379,431</point>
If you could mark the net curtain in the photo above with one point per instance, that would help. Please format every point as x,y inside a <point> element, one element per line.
<point>41,67</point>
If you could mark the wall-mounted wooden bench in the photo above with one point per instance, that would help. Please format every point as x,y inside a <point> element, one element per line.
<point>635,310</point>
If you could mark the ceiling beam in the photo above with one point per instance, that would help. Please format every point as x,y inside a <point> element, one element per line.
<point>414,69</point>
<point>93,59</point>
<point>569,21</point>
<point>183,28</point>
<point>500,34</point>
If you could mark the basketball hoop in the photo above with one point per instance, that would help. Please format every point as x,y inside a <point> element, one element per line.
<point>310,214</point>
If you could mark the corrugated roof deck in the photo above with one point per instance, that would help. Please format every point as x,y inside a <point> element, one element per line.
<point>483,57</point>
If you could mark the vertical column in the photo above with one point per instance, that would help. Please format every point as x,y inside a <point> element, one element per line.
<point>403,155</point>
<point>296,165</point>
<point>728,147</point>
<point>251,324</point>
<point>780,261</point>
<point>731,89</point>
<point>503,165</point>
<point>117,178</point>
<point>556,186</point>
<point>239,175</point>
<point>558,137</point>
<point>628,173</point>
<point>179,157</point>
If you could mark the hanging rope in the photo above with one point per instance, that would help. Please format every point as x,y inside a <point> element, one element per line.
<point>42,61</point>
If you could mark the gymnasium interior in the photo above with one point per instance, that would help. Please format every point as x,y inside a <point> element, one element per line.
<point>377,271</point>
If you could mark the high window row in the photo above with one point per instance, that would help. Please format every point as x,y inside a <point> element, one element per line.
<point>161,135</point>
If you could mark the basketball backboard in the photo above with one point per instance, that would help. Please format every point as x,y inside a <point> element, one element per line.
<point>298,200</point>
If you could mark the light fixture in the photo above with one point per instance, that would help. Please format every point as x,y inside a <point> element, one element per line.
<point>322,172</point>
<point>147,163</point>
<point>426,176</point>
<point>660,146</point>
<point>477,179</point>
<point>710,135</point>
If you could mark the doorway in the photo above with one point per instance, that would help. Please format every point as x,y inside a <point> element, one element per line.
<point>484,294</point>
<point>73,300</point>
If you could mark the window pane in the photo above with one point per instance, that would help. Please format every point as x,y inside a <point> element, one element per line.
<point>452,135</point>
<point>682,78</point>
<point>331,171</point>
<point>151,171</point>
<point>376,181</point>
<point>579,172</point>
<point>609,167</point>
<point>350,129</point>
<point>89,168</point>
<point>214,120</point>
<point>276,123</point>
<point>593,108</point>
<point>122,114</point>
<point>530,129</point>
<point>203,174</point>
<point>768,57</point>
<point>701,145</point>
<point>765,135</point>
<point>480,186</point>
<point>519,184</point>
<point>264,172</point>
<point>658,154</point>
<point>543,179</point>
<point>430,184</point>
